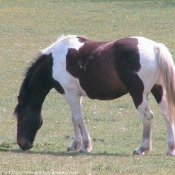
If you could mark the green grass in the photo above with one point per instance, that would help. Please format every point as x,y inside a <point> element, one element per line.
<point>26,26</point>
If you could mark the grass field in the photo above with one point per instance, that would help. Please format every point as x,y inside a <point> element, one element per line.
<point>26,26</point>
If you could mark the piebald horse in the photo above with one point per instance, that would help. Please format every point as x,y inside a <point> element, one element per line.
<point>76,67</point>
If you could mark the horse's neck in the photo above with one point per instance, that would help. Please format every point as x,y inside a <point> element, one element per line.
<point>39,84</point>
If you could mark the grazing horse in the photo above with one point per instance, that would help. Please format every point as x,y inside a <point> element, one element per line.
<point>78,67</point>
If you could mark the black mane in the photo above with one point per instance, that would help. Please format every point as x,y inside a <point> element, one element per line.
<point>29,72</point>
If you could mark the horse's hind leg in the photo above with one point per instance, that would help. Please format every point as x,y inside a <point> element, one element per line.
<point>146,117</point>
<point>160,97</point>
<point>82,138</point>
<point>139,91</point>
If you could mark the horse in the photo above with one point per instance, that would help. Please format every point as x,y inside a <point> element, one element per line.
<point>77,67</point>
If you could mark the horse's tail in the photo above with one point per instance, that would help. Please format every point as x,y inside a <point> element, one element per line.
<point>167,72</point>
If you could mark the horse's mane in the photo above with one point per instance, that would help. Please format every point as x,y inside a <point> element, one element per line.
<point>33,65</point>
<point>29,72</point>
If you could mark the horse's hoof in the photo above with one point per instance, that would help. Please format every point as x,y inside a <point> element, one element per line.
<point>135,153</point>
<point>83,152</point>
<point>170,153</point>
<point>69,149</point>
<point>86,147</point>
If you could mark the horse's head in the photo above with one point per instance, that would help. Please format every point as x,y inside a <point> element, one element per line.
<point>29,120</point>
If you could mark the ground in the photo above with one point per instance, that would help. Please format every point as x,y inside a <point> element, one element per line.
<point>28,26</point>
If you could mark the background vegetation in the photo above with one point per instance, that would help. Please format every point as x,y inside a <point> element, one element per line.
<point>26,26</point>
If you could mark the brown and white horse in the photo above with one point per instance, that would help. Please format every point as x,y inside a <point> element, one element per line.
<point>78,67</point>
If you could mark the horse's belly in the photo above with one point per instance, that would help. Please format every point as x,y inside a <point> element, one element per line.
<point>106,95</point>
<point>103,90</point>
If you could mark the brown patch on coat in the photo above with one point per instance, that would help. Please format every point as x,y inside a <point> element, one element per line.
<point>107,70</point>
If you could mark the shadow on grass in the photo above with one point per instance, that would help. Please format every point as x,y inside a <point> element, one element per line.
<point>63,153</point>
<point>73,153</point>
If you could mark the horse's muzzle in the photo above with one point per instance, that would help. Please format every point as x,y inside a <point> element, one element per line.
<point>24,144</point>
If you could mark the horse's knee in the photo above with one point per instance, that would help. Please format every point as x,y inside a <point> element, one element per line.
<point>149,115</point>
<point>146,113</point>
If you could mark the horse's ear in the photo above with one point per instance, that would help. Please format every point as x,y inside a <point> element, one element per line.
<point>20,100</point>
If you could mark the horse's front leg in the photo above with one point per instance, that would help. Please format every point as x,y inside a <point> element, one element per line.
<point>86,140</point>
<point>82,140</point>
<point>77,142</point>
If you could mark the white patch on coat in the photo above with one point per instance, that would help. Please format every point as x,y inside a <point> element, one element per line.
<point>49,49</point>
<point>149,63</point>
<point>59,50</point>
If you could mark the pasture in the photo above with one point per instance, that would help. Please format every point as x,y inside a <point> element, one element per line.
<point>26,26</point>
